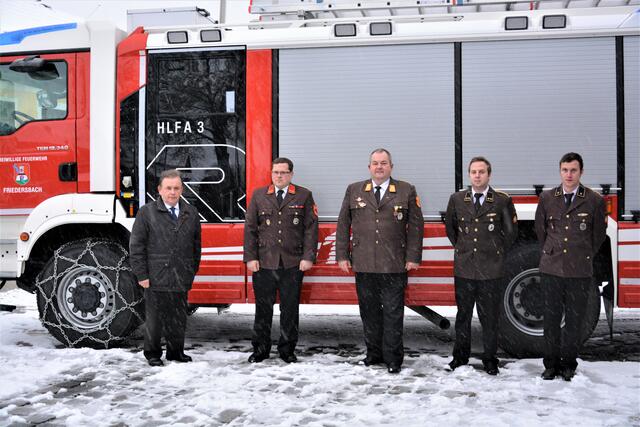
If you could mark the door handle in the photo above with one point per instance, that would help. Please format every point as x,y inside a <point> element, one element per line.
<point>68,171</point>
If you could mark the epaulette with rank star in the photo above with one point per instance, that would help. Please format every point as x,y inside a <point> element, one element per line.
<point>489,196</point>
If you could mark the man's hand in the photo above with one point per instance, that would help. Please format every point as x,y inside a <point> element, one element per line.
<point>253,266</point>
<point>144,283</point>
<point>345,265</point>
<point>305,265</point>
<point>411,266</point>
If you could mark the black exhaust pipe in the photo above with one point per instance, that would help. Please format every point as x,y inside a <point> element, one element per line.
<point>431,316</point>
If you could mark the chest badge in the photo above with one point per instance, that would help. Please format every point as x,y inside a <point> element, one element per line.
<point>491,227</point>
<point>398,213</point>
<point>362,204</point>
<point>583,226</point>
<point>296,221</point>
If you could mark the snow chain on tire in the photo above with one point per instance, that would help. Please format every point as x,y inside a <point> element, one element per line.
<point>87,298</point>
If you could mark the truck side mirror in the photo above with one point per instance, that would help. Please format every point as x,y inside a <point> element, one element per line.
<point>36,67</point>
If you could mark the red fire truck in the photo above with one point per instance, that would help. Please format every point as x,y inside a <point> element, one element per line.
<point>89,118</point>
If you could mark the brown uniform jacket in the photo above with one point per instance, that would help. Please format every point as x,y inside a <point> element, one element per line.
<point>273,232</point>
<point>385,237</point>
<point>570,238</point>
<point>481,239</point>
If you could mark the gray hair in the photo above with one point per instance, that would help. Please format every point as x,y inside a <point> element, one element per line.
<point>380,150</point>
<point>171,173</point>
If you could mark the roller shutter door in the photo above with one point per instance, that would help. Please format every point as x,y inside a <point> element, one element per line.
<point>526,103</point>
<point>338,104</point>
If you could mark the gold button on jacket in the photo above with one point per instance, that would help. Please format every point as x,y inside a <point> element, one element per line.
<point>385,236</point>
<point>481,238</point>
<point>570,238</point>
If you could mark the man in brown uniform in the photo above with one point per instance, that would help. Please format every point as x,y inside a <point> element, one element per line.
<point>481,224</point>
<point>280,244</point>
<point>385,218</point>
<point>571,223</point>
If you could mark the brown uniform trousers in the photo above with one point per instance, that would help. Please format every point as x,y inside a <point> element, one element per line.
<point>385,237</point>
<point>481,239</point>
<point>279,236</point>
<point>569,237</point>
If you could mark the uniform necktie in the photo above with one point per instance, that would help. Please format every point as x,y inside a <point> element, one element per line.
<point>173,213</point>
<point>280,196</point>
<point>378,194</point>
<point>567,199</point>
<point>477,202</point>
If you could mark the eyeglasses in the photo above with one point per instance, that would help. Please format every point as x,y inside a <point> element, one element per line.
<point>280,172</point>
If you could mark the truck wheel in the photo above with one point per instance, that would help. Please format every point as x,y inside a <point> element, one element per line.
<point>521,329</point>
<point>88,296</point>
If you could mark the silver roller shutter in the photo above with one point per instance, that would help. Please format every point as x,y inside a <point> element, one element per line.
<point>526,103</point>
<point>338,104</point>
<point>632,123</point>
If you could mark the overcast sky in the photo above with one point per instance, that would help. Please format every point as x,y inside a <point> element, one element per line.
<point>16,14</point>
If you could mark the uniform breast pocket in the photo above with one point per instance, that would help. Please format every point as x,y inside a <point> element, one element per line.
<point>295,215</point>
<point>265,216</point>
<point>490,223</point>
<point>400,212</point>
<point>581,224</point>
<point>356,207</point>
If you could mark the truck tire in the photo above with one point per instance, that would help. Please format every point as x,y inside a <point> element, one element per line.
<point>521,331</point>
<point>88,296</point>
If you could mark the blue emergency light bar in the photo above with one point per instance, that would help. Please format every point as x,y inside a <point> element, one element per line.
<point>16,37</point>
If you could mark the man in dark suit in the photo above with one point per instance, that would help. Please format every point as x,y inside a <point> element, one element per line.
<point>165,256</point>
<point>280,244</point>
<point>481,224</point>
<point>385,218</point>
<point>571,224</point>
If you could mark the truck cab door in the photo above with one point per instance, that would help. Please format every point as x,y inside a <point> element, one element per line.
<point>195,122</point>
<point>37,130</point>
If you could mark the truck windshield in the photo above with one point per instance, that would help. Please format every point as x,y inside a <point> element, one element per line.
<point>24,97</point>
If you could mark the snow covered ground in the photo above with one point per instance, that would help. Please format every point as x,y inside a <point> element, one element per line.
<point>41,382</point>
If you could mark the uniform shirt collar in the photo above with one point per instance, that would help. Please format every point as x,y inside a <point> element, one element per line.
<point>177,206</point>
<point>383,187</point>
<point>484,195</point>
<point>286,189</point>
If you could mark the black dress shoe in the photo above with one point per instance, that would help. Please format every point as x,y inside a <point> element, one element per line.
<point>491,368</point>
<point>370,360</point>
<point>456,363</point>
<point>183,358</point>
<point>155,362</point>
<point>549,374</point>
<point>394,369</point>
<point>568,373</point>
<point>257,357</point>
<point>289,358</point>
